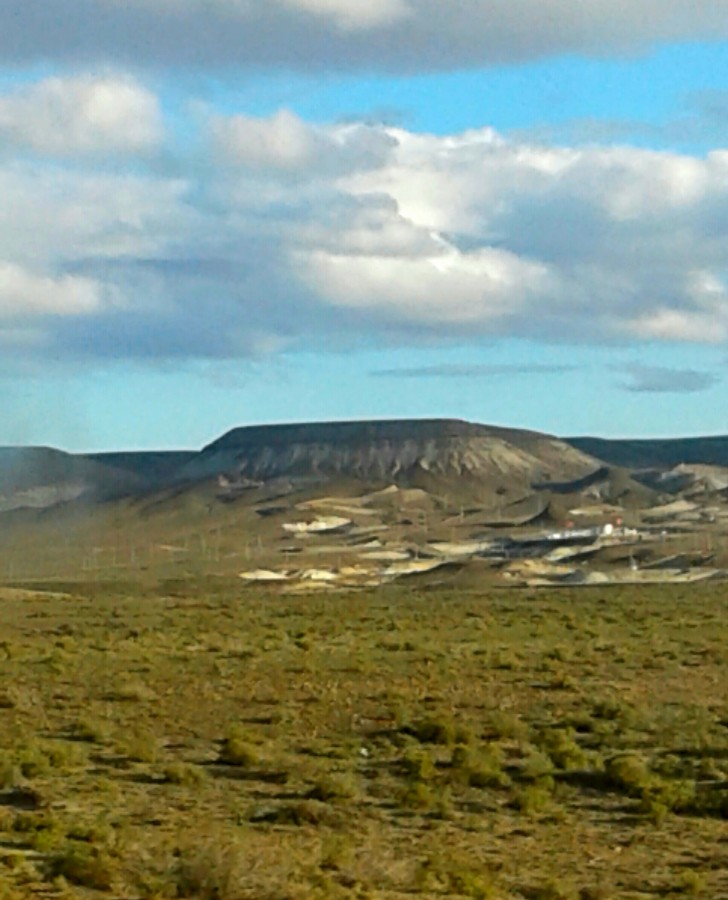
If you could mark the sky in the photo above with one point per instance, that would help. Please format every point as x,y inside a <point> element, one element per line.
<point>217,213</point>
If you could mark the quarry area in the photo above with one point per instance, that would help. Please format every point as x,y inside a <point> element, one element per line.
<point>335,543</point>
<point>345,506</point>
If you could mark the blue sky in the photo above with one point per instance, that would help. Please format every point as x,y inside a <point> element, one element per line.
<point>652,87</point>
<point>324,210</point>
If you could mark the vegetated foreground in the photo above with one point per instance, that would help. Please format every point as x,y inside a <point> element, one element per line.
<point>197,740</point>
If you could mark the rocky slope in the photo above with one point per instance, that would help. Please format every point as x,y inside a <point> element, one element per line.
<point>434,453</point>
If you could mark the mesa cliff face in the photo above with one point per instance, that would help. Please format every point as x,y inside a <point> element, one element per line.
<point>407,452</point>
<point>443,455</point>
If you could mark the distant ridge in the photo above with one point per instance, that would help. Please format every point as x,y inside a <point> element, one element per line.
<point>22,468</point>
<point>445,456</point>
<point>39,477</point>
<point>150,466</point>
<point>655,453</point>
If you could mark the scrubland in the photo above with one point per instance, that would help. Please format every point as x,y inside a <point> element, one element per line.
<point>199,739</point>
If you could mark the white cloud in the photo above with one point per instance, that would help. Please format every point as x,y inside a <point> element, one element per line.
<point>25,294</point>
<point>287,233</point>
<point>81,115</point>
<point>682,325</point>
<point>393,35</point>
<point>563,242</point>
<point>285,143</point>
<point>702,319</point>
<point>451,288</point>
<point>471,181</point>
<point>57,216</point>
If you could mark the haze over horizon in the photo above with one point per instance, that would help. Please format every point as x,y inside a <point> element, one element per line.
<point>221,214</point>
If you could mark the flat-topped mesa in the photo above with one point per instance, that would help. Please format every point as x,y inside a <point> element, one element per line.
<point>367,430</point>
<point>404,451</point>
<point>345,432</point>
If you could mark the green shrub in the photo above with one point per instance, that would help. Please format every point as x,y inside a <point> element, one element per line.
<point>11,775</point>
<point>215,871</point>
<point>613,709</point>
<point>471,883</point>
<point>7,700</point>
<point>334,787</point>
<point>84,866</point>
<point>481,767</point>
<point>185,774</point>
<point>531,799</point>
<point>706,801</point>
<point>301,812</point>
<point>417,796</point>
<point>674,795</point>
<point>562,748</point>
<point>433,730</point>
<point>506,726</point>
<point>237,749</point>
<point>91,730</point>
<point>536,766</point>
<point>141,745</point>
<point>553,889</point>
<point>42,830</point>
<point>32,761</point>
<point>417,764</point>
<point>629,773</point>
<point>461,757</point>
<point>691,883</point>
<point>337,852</point>
<point>440,875</point>
<point>62,755</point>
<point>36,759</point>
<point>654,810</point>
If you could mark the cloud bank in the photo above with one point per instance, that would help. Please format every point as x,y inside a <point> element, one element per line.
<point>662,380</point>
<point>273,233</point>
<point>316,35</point>
<point>474,370</point>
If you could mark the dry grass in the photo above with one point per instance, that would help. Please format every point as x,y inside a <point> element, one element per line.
<point>193,740</point>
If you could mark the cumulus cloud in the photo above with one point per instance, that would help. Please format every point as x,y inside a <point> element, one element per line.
<point>285,143</point>
<point>449,288</point>
<point>25,294</point>
<point>395,35</point>
<point>703,318</point>
<point>662,380</point>
<point>577,243</point>
<point>81,115</point>
<point>276,233</point>
<point>55,217</point>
